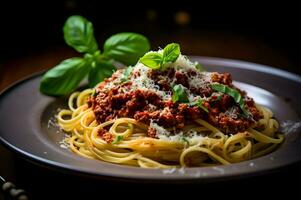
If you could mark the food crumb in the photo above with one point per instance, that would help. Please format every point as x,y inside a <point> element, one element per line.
<point>182,170</point>
<point>220,170</point>
<point>169,171</point>
<point>64,144</point>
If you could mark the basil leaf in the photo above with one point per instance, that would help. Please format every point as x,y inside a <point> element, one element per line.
<point>199,67</point>
<point>126,73</point>
<point>99,71</point>
<point>179,94</point>
<point>152,60</point>
<point>171,52</point>
<point>65,77</point>
<point>156,60</point>
<point>233,93</point>
<point>118,139</point>
<point>199,103</point>
<point>126,47</point>
<point>79,34</point>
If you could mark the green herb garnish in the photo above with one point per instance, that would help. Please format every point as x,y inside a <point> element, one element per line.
<point>185,140</point>
<point>126,74</point>
<point>199,103</point>
<point>126,48</point>
<point>233,93</point>
<point>171,53</point>
<point>101,70</point>
<point>152,60</point>
<point>199,67</point>
<point>64,78</point>
<point>156,60</point>
<point>179,94</point>
<point>79,34</point>
<point>118,139</point>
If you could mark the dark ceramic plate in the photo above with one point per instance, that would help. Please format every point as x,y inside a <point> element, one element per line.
<point>26,128</point>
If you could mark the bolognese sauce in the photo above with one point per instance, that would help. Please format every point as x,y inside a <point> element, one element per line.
<point>150,100</point>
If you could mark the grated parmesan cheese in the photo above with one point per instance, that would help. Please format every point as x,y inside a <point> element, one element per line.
<point>159,129</point>
<point>144,82</point>
<point>183,63</point>
<point>140,79</point>
<point>200,80</point>
<point>231,112</point>
<point>164,134</point>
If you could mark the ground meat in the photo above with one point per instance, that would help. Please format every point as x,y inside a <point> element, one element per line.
<point>105,135</point>
<point>221,105</point>
<point>203,92</point>
<point>222,78</point>
<point>146,106</point>
<point>230,125</point>
<point>181,79</point>
<point>109,105</point>
<point>152,133</point>
<point>228,117</point>
<point>250,104</point>
<point>162,78</point>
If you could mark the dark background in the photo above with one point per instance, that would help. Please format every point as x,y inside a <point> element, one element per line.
<point>32,40</point>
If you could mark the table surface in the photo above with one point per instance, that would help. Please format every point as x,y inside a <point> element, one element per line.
<point>24,173</point>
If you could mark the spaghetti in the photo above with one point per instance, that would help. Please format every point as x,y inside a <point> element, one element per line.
<point>138,149</point>
<point>159,119</point>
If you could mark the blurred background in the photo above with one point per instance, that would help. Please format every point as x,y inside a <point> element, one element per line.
<point>32,38</point>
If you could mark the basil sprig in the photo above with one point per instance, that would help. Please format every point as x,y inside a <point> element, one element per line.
<point>64,78</point>
<point>159,60</point>
<point>233,93</point>
<point>179,94</point>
